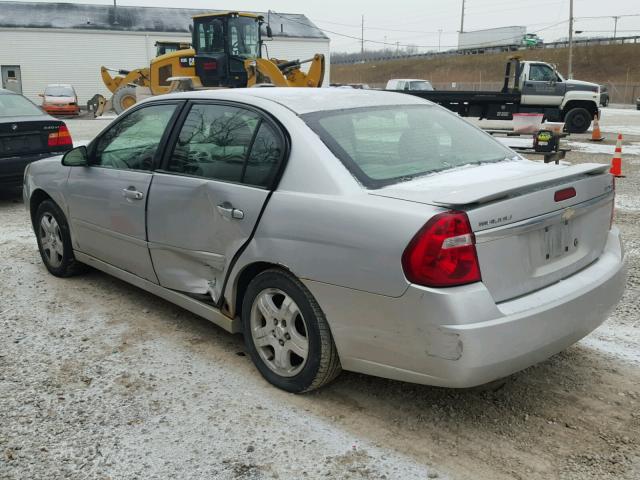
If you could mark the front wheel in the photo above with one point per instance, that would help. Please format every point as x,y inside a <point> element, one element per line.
<point>577,120</point>
<point>287,334</point>
<point>54,241</point>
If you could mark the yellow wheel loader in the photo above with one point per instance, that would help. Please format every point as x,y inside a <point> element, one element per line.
<point>226,53</point>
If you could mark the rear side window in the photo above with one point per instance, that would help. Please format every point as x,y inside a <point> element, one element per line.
<point>227,143</point>
<point>386,145</point>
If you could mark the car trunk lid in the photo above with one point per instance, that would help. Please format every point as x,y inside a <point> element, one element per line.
<point>25,136</point>
<point>527,237</point>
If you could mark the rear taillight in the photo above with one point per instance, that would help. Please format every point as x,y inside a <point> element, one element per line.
<point>60,138</point>
<point>443,253</point>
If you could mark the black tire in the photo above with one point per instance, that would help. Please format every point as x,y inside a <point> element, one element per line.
<point>322,363</point>
<point>578,120</point>
<point>122,99</point>
<point>68,265</point>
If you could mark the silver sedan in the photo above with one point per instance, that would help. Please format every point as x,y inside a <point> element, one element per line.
<point>339,229</point>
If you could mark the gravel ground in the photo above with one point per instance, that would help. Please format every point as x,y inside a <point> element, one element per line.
<point>101,380</point>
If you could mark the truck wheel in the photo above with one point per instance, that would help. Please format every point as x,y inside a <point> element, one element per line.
<point>123,99</point>
<point>577,120</point>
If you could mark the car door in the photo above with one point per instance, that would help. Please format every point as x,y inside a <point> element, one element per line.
<point>107,199</point>
<point>542,86</point>
<point>206,200</point>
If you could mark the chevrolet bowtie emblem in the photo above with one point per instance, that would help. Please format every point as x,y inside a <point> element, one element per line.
<point>14,127</point>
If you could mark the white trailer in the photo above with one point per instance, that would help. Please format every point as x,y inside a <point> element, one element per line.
<point>491,38</point>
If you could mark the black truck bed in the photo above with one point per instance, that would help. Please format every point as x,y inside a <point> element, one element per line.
<point>484,104</point>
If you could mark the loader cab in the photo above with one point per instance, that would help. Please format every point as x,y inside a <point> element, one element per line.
<point>222,43</point>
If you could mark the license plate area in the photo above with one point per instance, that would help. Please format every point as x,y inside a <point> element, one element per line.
<point>559,240</point>
<point>20,144</point>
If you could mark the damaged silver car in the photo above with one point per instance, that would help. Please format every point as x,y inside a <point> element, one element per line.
<point>339,229</point>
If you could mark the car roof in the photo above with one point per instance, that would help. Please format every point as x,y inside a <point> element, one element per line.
<point>408,80</point>
<point>308,100</point>
<point>59,85</point>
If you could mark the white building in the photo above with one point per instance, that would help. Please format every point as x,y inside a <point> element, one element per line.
<point>43,43</point>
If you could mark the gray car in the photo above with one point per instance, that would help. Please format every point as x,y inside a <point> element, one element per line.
<point>339,229</point>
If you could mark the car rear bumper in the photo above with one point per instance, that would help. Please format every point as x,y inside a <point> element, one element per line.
<point>62,110</point>
<point>459,337</point>
<point>12,168</point>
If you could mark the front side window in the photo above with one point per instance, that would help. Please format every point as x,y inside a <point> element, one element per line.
<point>226,143</point>
<point>243,37</point>
<point>386,145</point>
<point>541,73</point>
<point>132,143</point>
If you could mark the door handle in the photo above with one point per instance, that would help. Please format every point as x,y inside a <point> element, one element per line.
<point>132,193</point>
<point>227,211</point>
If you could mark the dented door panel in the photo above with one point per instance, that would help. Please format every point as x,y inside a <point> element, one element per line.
<point>191,239</point>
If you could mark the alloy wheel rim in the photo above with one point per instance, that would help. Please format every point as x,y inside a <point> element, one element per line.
<point>51,240</point>
<point>279,332</point>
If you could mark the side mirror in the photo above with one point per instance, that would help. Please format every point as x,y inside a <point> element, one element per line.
<point>406,87</point>
<point>269,31</point>
<point>78,157</point>
<point>191,28</point>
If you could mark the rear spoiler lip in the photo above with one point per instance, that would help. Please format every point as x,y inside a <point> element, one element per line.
<point>483,193</point>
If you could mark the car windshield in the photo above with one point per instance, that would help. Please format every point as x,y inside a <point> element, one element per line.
<point>58,91</point>
<point>390,144</point>
<point>420,85</point>
<point>17,106</point>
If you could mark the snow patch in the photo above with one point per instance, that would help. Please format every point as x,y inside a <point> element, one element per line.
<point>596,148</point>
<point>627,202</point>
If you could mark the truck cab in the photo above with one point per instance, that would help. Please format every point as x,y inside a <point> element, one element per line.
<point>572,101</point>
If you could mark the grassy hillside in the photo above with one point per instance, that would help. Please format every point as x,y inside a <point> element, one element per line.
<point>613,64</point>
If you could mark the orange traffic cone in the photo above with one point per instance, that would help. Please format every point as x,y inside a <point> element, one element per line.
<point>596,135</point>
<point>616,161</point>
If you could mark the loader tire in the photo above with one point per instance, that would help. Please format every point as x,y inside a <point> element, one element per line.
<point>123,98</point>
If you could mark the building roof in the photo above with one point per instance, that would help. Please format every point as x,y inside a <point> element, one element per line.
<point>137,19</point>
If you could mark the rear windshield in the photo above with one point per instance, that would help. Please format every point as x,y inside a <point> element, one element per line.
<point>420,85</point>
<point>58,91</point>
<point>17,106</point>
<point>391,144</point>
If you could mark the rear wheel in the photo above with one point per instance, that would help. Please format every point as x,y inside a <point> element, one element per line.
<point>578,120</point>
<point>286,333</point>
<point>54,241</point>
<point>123,98</point>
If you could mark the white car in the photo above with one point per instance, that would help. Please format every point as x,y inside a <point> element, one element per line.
<point>411,84</point>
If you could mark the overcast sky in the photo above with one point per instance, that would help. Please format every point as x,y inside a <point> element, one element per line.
<point>417,22</point>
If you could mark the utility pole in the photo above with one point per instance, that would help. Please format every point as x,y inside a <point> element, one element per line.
<point>115,13</point>
<point>362,41</point>
<point>439,35</point>
<point>615,25</point>
<point>570,69</point>
<point>462,18</point>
